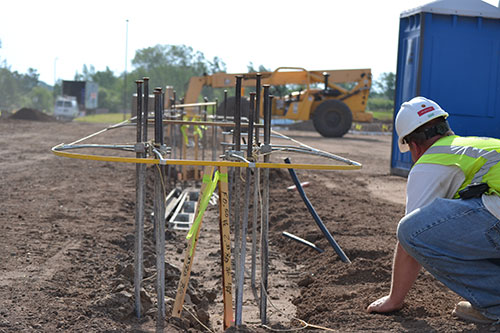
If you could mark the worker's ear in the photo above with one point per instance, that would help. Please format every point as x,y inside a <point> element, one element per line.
<point>416,150</point>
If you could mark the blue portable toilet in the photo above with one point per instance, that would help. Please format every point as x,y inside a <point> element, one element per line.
<point>449,51</point>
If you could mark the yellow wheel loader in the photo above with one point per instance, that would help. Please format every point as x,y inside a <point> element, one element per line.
<point>331,107</point>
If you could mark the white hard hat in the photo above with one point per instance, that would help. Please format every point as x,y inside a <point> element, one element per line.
<point>413,114</point>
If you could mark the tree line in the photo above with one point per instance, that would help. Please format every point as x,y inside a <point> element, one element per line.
<point>165,65</point>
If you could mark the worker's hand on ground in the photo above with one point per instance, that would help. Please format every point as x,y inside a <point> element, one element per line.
<point>384,304</point>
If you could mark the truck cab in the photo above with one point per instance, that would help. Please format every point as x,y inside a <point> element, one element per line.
<point>66,108</point>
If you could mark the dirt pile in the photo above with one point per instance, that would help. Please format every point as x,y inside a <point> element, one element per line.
<point>31,114</point>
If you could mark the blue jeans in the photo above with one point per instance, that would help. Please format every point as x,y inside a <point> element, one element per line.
<point>458,242</point>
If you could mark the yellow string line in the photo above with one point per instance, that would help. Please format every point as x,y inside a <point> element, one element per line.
<point>205,163</point>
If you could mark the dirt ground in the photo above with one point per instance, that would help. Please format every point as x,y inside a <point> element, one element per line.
<point>67,237</point>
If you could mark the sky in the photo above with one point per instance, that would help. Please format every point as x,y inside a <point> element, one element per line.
<point>58,37</point>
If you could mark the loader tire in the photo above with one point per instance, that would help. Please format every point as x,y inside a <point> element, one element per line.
<point>231,104</point>
<point>332,118</point>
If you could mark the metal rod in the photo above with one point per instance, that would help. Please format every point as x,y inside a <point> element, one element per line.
<point>175,135</point>
<point>139,209</point>
<point>316,217</point>
<point>171,128</point>
<point>256,188</point>
<point>264,248</point>
<point>237,114</point>
<point>159,217</point>
<point>146,110</point>
<point>244,226</point>
<point>254,231</point>
<point>204,141</point>
<point>225,104</point>
<point>214,132</point>
<point>156,116</point>
<point>236,198</point>
<point>257,106</point>
<point>160,117</point>
<point>128,147</point>
<point>250,125</point>
<point>251,118</point>
<point>303,241</point>
<point>224,131</point>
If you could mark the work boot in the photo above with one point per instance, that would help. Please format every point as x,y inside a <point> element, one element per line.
<point>466,311</point>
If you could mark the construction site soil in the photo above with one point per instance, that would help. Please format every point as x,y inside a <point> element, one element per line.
<point>67,240</point>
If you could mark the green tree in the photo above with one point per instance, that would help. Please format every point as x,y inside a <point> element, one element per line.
<point>385,86</point>
<point>105,79</point>
<point>173,65</point>
<point>16,87</point>
<point>110,89</point>
<point>86,75</point>
<point>251,68</point>
<point>40,98</point>
<point>9,92</point>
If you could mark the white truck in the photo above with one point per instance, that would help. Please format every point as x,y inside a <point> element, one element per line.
<point>66,108</point>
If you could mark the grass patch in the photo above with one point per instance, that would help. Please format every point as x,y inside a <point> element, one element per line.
<point>382,115</point>
<point>109,118</point>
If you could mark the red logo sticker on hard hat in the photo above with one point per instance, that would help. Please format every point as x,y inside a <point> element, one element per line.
<point>424,111</point>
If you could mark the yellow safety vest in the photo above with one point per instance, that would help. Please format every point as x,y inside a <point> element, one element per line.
<point>477,157</point>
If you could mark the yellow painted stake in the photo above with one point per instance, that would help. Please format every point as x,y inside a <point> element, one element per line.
<point>225,244</point>
<point>190,250</point>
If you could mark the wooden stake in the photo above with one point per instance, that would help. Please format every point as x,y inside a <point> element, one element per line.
<point>225,243</point>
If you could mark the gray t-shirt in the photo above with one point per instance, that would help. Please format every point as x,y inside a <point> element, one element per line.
<point>427,182</point>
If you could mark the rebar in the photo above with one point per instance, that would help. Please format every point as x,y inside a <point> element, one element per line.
<point>225,104</point>
<point>204,141</point>
<point>257,106</point>
<point>146,110</point>
<point>214,131</point>
<point>159,215</point>
<point>139,208</point>
<point>244,226</point>
<point>224,109</point>
<point>236,198</point>
<point>264,249</point>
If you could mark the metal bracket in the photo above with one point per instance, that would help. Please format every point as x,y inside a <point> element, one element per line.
<point>265,149</point>
<point>233,155</point>
<point>140,147</point>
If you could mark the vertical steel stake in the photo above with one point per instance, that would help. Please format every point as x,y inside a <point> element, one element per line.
<point>204,142</point>
<point>257,106</point>
<point>264,260</point>
<point>236,199</point>
<point>139,206</point>
<point>256,188</point>
<point>159,214</point>
<point>244,226</point>
<point>145,110</point>
<point>214,132</point>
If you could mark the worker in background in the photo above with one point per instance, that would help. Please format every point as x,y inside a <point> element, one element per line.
<point>452,221</point>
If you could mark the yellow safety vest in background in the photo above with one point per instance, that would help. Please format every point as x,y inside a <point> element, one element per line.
<point>477,157</point>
